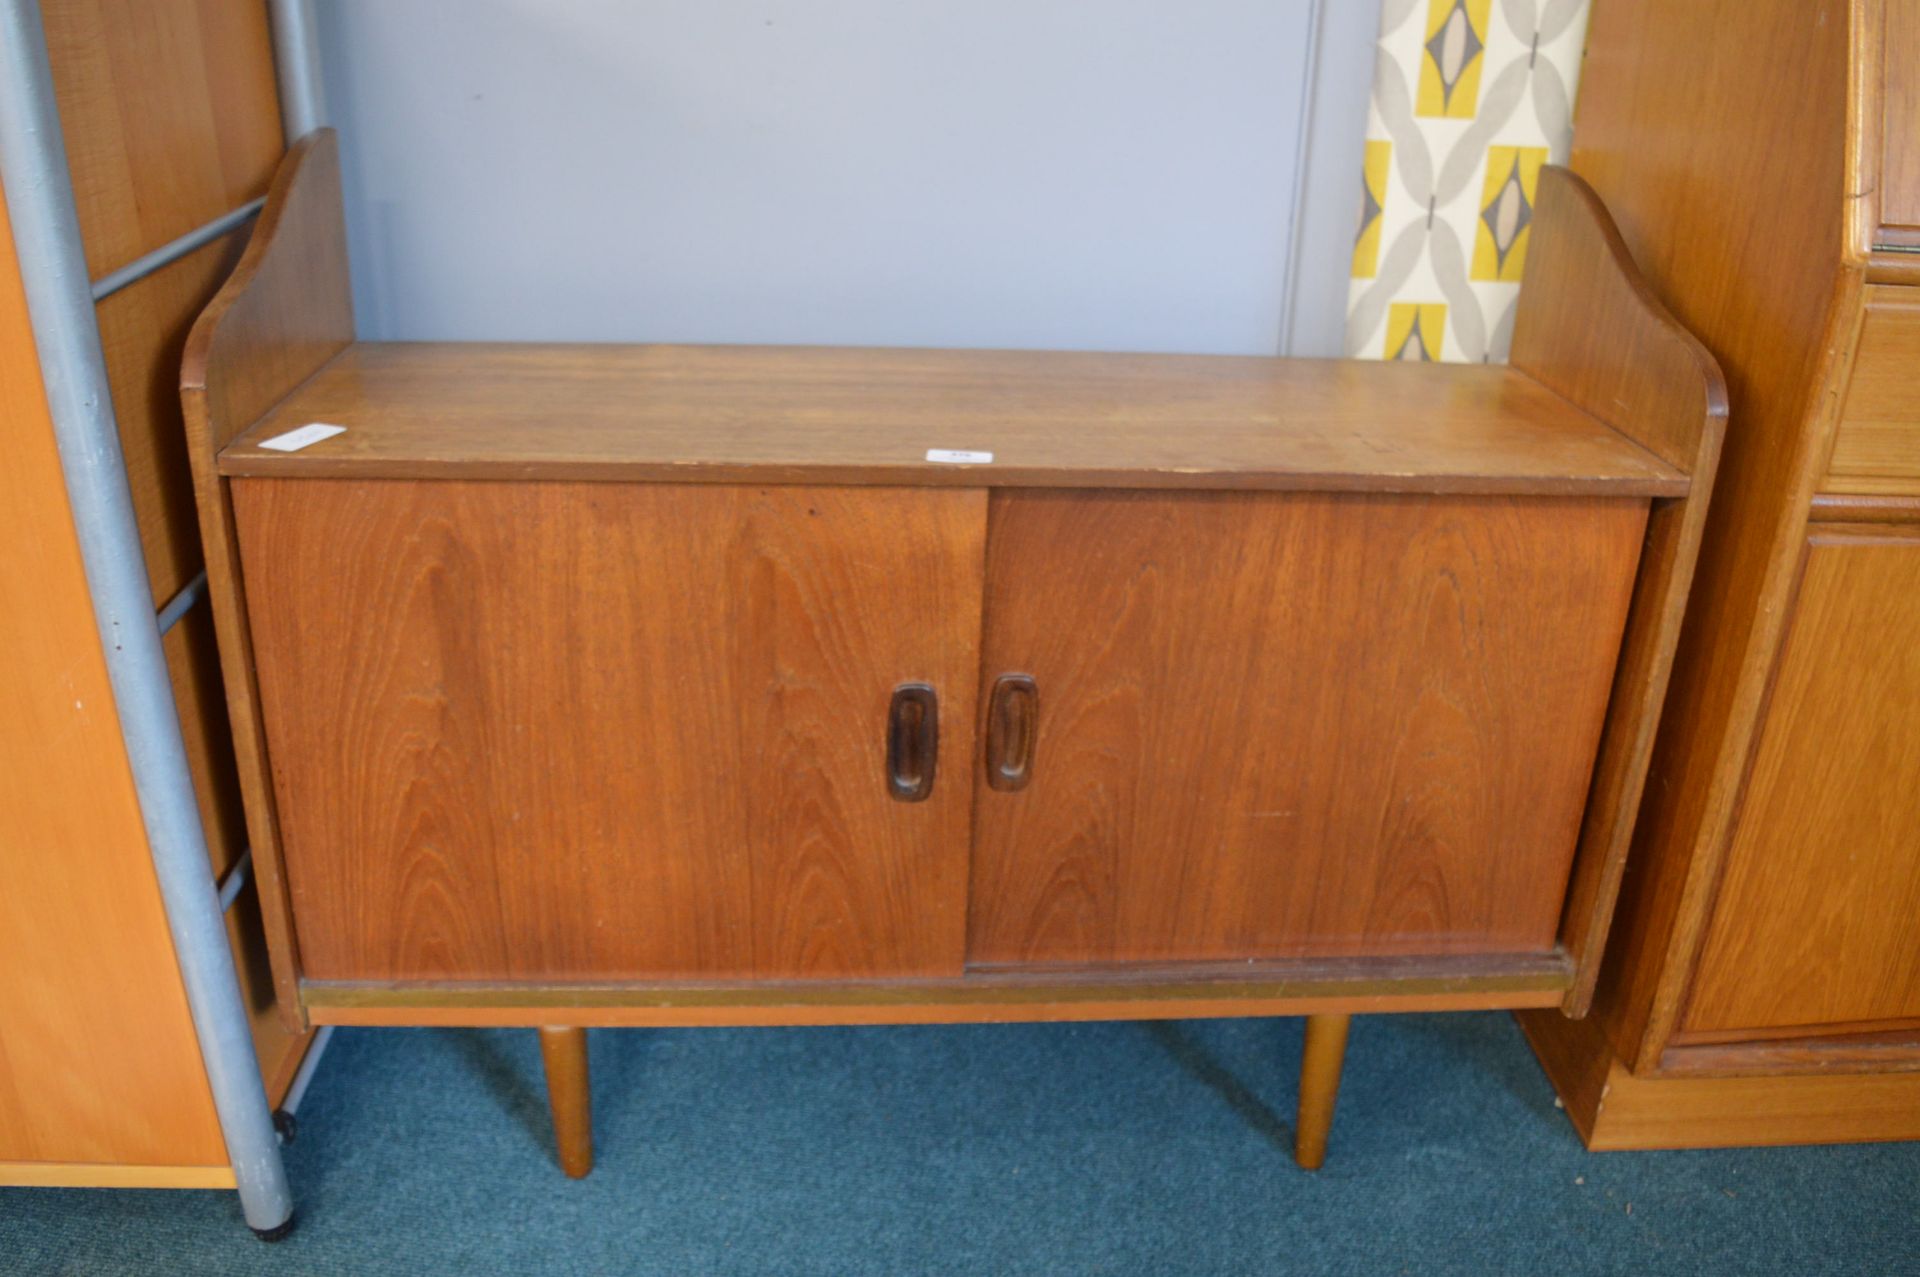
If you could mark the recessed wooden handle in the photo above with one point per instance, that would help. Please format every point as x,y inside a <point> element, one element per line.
<point>913,741</point>
<point>1013,718</point>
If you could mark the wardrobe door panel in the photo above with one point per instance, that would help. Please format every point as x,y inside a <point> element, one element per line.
<point>1290,725</point>
<point>596,731</point>
<point>1817,921</point>
<point>1900,124</point>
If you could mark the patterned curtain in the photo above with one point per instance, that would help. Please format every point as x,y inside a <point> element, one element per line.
<point>1470,98</point>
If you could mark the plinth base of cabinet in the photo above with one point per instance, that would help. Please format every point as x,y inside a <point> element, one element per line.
<point>1003,995</point>
<point>112,1175</point>
<point>1613,1108</point>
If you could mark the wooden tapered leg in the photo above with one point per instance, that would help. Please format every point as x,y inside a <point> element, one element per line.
<point>564,1051</point>
<point>1320,1062</point>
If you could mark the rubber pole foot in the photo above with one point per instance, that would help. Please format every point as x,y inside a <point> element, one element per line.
<point>279,1232</point>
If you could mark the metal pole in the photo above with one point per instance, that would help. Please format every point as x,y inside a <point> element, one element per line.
<point>39,193</point>
<point>296,56</point>
<point>1302,150</point>
<point>165,255</point>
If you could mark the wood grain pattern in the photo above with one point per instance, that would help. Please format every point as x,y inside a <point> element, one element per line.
<point>1590,328</point>
<point>1614,1108</point>
<point>1876,447</point>
<point>1289,725</point>
<point>143,329</point>
<point>1899,139</point>
<point>1765,126</point>
<point>193,667</point>
<point>1745,1112</point>
<point>170,114</point>
<point>1879,1030</point>
<point>73,849</point>
<point>1883,117</point>
<point>1832,1049</point>
<point>286,309</point>
<point>563,731</point>
<point>788,414</point>
<point>1815,922</point>
<point>989,995</point>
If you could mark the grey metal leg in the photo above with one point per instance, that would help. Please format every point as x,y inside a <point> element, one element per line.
<point>296,56</point>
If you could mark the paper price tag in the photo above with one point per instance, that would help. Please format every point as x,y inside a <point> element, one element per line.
<point>956,456</point>
<point>294,440</point>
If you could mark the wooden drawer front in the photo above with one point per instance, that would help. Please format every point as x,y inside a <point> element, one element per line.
<point>597,731</point>
<point>1817,922</point>
<point>1282,725</point>
<point>1876,448</point>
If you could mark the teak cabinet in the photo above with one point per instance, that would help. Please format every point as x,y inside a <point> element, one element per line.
<point>678,685</point>
<point>1763,985</point>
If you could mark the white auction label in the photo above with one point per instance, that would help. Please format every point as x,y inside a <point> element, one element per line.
<point>959,457</point>
<point>294,440</point>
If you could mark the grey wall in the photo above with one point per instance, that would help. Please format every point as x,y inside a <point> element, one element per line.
<point>1096,174</point>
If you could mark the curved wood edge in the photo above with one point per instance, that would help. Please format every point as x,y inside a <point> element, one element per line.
<point>1866,24</point>
<point>1848,507</point>
<point>284,313</point>
<point>1592,329</point>
<point>289,289</point>
<point>1884,266</point>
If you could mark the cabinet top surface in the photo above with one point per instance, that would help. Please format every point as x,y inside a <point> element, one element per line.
<point>871,416</point>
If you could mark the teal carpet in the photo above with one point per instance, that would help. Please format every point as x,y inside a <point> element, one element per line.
<point>1110,1148</point>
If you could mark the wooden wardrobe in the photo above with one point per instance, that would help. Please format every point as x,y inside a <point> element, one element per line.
<point>1763,984</point>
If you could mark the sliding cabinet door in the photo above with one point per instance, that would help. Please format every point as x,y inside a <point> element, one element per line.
<point>1289,725</point>
<point>604,731</point>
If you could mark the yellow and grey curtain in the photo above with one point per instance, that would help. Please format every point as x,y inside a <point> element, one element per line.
<point>1470,98</point>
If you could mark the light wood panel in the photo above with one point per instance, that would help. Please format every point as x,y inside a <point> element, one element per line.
<point>143,329</point>
<point>112,1175</point>
<point>80,906</point>
<point>170,115</point>
<point>1876,447</point>
<point>562,731</point>
<point>781,414</point>
<point>1590,328</point>
<point>286,309</point>
<point>1614,1108</point>
<point>1900,120</point>
<point>1742,1112</point>
<point>1787,1034</point>
<point>1279,725</point>
<point>1731,221</point>
<point>1818,918</point>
